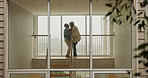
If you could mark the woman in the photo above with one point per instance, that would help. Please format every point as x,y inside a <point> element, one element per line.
<point>67,39</point>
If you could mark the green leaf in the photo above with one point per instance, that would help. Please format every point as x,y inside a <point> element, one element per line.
<point>120,22</point>
<point>140,13</point>
<point>137,56</point>
<point>130,13</point>
<point>126,6</point>
<point>145,2</point>
<point>118,11</point>
<point>140,26</point>
<point>143,23</point>
<point>109,13</point>
<point>144,54</point>
<point>136,22</point>
<point>119,15</point>
<point>137,74</point>
<point>145,64</point>
<point>142,46</point>
<point>109,5</point>
<point>120,1</point>
<point>135,12</point>
<point>140,61</point>
<point>127,17</point>
<point>141,4</point>
<point>122,7</point>
<point>145,16</point>
<point>109,0</point>
<point>146,70</point>
<point>131,20</point>
<point>114,20</point>
<point>129,6</point>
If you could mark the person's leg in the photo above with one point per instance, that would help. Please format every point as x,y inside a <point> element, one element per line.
<point>68,42</point>
<point>74,48</point>
<point>69,47</point>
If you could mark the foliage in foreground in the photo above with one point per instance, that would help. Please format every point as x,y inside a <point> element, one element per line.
<point>118,16</point>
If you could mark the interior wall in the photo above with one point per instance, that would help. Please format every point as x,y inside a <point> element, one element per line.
<point>35,32</point>
<point>122,45</point>
<point>20,37</point>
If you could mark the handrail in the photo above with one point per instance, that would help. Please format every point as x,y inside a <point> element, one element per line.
<point>39,35</point>
<point>85,35</point>
<point>100,35</point>
<point>42,40</point>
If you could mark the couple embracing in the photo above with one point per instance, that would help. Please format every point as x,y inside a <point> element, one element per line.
<point>71,37</point>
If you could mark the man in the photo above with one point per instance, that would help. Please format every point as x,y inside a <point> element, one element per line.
<point>75,36</point>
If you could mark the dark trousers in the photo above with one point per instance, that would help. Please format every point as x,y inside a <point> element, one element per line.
<point>74,48</point>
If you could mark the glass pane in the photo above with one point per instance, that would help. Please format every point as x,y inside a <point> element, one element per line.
<point>27,34</point>
<point>111,42</point>
<point>42,38</point>
<point>111,75</point>
<point>80,23</point>
<point>69,74</point>
<point>28,75</point>
<point>69,10</point>
<point>55,25</point>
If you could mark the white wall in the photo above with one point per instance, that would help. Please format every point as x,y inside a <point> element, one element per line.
<point>35,32</point>
<point>20,37</point>
<point>122,45</point>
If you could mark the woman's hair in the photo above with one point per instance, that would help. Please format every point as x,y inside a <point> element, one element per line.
<point>66,25</point>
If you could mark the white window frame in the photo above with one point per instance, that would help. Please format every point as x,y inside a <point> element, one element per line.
<point>48,70</point>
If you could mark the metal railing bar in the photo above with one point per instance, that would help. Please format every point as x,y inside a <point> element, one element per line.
<point>85,35</point>
<point>45,70</point>
<point>98,44</point>
<point>39,35</point>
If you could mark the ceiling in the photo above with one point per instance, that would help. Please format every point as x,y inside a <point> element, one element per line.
<point>40,7</point>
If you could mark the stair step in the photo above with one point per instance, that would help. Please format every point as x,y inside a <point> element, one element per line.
<point>60,64</point>
<point>60,74</point>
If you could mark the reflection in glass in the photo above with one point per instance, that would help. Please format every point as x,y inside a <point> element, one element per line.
<point>28,35</point>
<point>111,75</point>
<point>111,42</point>
<point>28,75</point>
<point>55,23</point>
<point>67,11</point>
<point>69,74</point>
<point>80,23</point>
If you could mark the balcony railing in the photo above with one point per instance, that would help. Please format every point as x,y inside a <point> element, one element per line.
<point>101,46</point>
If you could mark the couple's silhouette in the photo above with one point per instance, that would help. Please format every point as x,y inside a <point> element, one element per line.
<point>71,37</point>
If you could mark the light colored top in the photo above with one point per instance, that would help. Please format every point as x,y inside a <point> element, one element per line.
<point>75,34</point>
